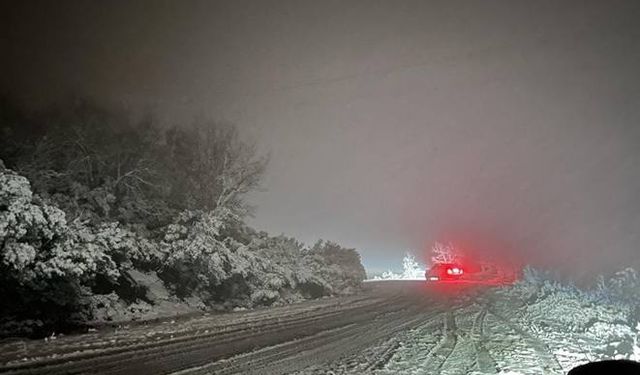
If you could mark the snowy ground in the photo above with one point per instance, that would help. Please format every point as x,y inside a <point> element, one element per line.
<point>511,330</point>
<point>395,327</point>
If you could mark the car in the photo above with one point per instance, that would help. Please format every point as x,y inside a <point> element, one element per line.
<point>445,272</point>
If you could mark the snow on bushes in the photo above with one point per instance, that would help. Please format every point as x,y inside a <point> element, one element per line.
<point>598,323</point>
<point>196,259</point>
<point>49,265</point>
<point>262,270</point>
<point>623,286</point>
<point>39,243</point>
<point>547,302</point>
<point>104,197</point>
<point>36,241</point>
<point>340,268</point>
<point>53,269</point>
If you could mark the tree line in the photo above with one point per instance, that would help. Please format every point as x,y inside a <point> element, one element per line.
<point>91,199</point>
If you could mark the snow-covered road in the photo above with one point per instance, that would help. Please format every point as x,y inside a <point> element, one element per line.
<point>463,336</point>
<point>391,328</point>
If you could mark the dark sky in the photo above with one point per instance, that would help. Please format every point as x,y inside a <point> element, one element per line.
<point>508,127</point>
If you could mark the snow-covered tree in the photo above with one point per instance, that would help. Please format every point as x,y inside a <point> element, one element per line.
<point>101,197</point>
<point>411,268</point>
<point>441,253</point>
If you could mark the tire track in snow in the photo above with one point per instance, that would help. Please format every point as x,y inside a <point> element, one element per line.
<point>484,361</point>
<point>415,349</point>
<point>375,358</point>
<point>303,328</point>
<point>393,322</point>
<point>155,332</point>
<point>427,348</point>
<point>389,347</point>
<point>167,353</point>
<point>260,360</point>
<point>368,328</point>
<point>547,361</point>
<point>450,340</point>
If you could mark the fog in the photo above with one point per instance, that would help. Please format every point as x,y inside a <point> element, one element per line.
<point>509,128</point>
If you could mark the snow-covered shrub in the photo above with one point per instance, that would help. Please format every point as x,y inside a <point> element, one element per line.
<point>535,276</point>
<point>280,270</point>
<point>284,270</point>
<point>37,244</point>
<point>196,259</point>
<point>572,309</point>
<point>339,267</point>
<point>564,313</point>
<point>47,263</point>
<point>107,198</point>
<point>202,258</point>
<point>623,286</point>
<point>42,261</point>
<point>570,322</point>
<point>124,246</point>
<point>545,299</point>
<point>200,261</point>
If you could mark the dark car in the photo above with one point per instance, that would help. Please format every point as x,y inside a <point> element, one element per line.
<point>445,272</point>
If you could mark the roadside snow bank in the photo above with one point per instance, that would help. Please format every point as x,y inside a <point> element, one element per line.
<point>577,326</point>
